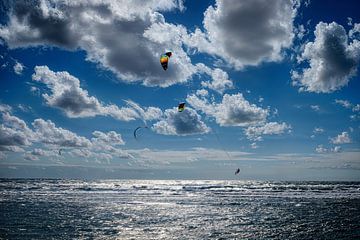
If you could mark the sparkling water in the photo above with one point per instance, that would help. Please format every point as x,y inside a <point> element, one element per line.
<point>163,209</point>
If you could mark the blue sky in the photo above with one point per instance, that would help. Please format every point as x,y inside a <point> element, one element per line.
<point>271,89</point>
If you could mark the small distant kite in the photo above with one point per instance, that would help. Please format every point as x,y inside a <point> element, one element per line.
<point>181,107</point>
<point>136,129</point>
<point>164,60</point>
<point>237,171</point>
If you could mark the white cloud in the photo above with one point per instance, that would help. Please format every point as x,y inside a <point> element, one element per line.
<point>321,149</point>
<point>254,145</point>
<point>180,123</point>
<point>318,130</point>
<point>85,153</point>
<point>4,108</point>
<point>30,157</point>
<point>349,21</point>
<point>48,133</point>
<point>356,108</point>
<point>147,114</point>
<point>14,132</point>
<point>344,103</point>
<point>18,68</point>
<point>219,79</point>
<point>11,137</point>
<point>39,152</point>
<point>110,138</point>
<point>255,133</point>
<point>67,95</point>
<point>16,136</point>
<point>341,138</point>
<point>348,105</point>
<point>35,91</point>
<point>300,31</point>
<point>24,108</point>
<point>202,93</point>
<point>354,32</point>
<point>121,36</point>
<point>232,34</point>
<point>234,110</point>
<point>333,60</point>
<point>101,152</point>
<point>315,108</point>
<point>336,149</point>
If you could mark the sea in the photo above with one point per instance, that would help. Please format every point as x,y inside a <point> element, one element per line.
<point>178,209</point>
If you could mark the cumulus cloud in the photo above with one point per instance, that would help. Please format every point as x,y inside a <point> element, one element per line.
<point>180,123</point>
<point>39,152</point>
<point>4,108</point>
<point>11,137</point>
<point>110,138</point>
<point>147,113</point>
<point>219,78</point>
<point>254,145</point>
<point>255,133</point>
<point>347,104</point>
<point>14,132</point>
<point>202,93</point>
<point>344,103</point>
<point>322,149</point>
<point>336,149</point>
<point>333,60</point>
<point>317,130</point>
<point>102,149</point>
<point>341,138</point>
<point>232,34</point>
<point>354,32</point>
<point>119,35</point>
<point>36,153</point>
<point>18,68</point>
<point>315,108</point>
<point>48,133</point>
<point>67,95</point>
<point>234,110</point>
<point>30,157</point>
<point>356,108</point>
<point>16,136</point>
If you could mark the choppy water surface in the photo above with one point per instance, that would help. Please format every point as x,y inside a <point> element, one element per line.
<point>140,209</point>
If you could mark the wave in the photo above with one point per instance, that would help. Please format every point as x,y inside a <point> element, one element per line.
<point>246,188</point>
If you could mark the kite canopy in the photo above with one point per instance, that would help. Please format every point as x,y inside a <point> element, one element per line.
<point>164,60</point>
<point>237,171</point>
<point>181,107</point>
<point>135,131</point>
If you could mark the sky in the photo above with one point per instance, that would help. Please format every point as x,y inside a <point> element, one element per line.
<point>272,89</point>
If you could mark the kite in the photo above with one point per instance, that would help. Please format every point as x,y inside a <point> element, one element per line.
<point>135,136</point>
<point>181,107</point>
<point>164,59</point>
<point>237,171</point>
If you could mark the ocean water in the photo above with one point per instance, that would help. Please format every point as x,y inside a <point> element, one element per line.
<point>150,209</point>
